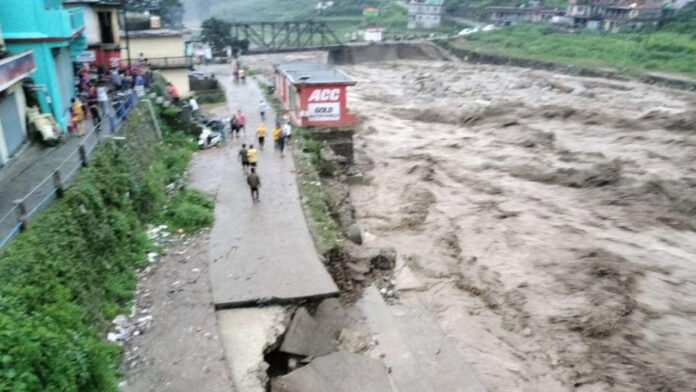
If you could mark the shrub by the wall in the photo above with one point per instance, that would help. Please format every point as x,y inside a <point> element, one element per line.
<point>73,270</point>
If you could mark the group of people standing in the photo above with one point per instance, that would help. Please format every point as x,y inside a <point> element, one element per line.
<point>249,155</point>
<point>239,72</point>
<point>96,86</point>
<point>281,135</point>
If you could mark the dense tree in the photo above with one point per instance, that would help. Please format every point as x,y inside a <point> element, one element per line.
<point>172,13</point>
<point>218,34</point>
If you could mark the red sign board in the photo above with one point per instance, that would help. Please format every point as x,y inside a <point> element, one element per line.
<point>16,68</point>
<point>324,104</point>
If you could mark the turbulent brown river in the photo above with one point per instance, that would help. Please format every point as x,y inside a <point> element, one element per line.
<point>550,219</point>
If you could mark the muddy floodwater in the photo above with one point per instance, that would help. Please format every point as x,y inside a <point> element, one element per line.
<point>550,219</point>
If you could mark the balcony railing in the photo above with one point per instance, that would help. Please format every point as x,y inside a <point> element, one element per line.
<point>164,62</point>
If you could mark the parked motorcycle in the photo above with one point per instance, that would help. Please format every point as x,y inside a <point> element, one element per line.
<point>45,125</point>
<point>209,138</point>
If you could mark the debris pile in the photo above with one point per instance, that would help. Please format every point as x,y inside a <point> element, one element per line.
<point>124,328</point>
<point>158,234</point>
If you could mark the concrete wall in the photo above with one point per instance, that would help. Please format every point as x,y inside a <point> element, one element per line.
<point>66,80</point>
<point>178,77</point>
<point>92,31</point>
<point>383,52</point>
<point>154,47</point>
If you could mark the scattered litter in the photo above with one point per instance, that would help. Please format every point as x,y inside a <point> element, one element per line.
<point>123,328</point>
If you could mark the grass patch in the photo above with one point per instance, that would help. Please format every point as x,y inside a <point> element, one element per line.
<point>317,206</point>
<point>190,210</point>
<point>210,96</point>
<point>663,50</point>
<point>73,269</point>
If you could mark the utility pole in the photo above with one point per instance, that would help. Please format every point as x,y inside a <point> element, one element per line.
<point>125,25</point>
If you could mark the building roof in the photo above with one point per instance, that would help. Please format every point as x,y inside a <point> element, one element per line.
<point>114,3</point>
<point>428,2</point>
<point>523,10</point>
<point>310,72</point>
<point>153,33</point>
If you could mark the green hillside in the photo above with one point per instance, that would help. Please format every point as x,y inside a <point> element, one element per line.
<point>249,10</point>
<point>667,50</point>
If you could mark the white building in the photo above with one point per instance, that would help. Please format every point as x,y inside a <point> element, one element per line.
<point>424,14</point>
<point>373,34</point>
<point>324,4</point>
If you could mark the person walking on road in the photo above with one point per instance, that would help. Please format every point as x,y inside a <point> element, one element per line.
<point>254,184</point>
<point>241,121</point>
<point>103,99</point>
<point>262,109</point>
<point>276,135</point>
<point>287,131</point>
<point>261,134</point>
<point>281,144</point>
<point>253,156</point>
<point>78,116</point>
<point>234,127</point>
<point>244,157</point>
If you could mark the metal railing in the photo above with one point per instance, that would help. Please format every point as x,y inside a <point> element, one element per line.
<point>52,186</point>
<point>165,62</point>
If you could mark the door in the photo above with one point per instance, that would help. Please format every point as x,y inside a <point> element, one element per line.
<point>106,27</point>
<point>11,123</point>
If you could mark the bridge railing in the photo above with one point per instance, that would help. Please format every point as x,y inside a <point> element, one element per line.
<point>279,36</point>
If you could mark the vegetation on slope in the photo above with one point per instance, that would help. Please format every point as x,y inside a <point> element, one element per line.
<point>73,269</point>
<point>667,49</point>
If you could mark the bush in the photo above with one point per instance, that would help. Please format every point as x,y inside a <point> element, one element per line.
<point>73,269</point>
<point>210,96</point>
<point>664,50</point>
<point>190,210</point>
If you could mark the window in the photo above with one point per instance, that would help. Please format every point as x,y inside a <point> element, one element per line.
<point>106,27</point>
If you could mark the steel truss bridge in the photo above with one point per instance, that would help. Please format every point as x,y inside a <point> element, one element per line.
<point>278,37</point>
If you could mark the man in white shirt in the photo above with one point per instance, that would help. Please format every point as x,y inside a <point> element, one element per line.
<point>287,131</point>
<point>103,99</point>
<point>194,105</point>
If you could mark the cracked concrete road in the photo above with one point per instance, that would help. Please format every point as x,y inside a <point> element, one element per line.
<point>260,253</point>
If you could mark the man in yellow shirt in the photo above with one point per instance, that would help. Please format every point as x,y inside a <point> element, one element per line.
<point>261,134</point>
<point>276,134</point>
<point>253,156</point>
<point>78,115</point>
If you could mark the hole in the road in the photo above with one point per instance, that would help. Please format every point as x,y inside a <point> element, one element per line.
<point>281,363</point>
<point>277,363</point>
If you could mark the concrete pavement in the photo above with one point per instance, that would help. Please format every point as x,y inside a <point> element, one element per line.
<point>260,253</point>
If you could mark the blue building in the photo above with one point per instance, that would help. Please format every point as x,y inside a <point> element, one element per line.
<point>56,37</point>
<point>13,126</point>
